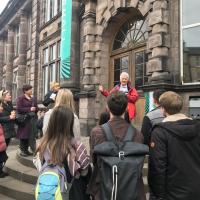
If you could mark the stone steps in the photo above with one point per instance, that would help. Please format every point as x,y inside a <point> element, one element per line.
<point>19,171</point>
<point>20,184</point>
<point>16,189</point>
<point>2,197</point>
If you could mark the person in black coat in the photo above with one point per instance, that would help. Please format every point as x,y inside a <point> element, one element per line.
<point>7,116</point>
<point>50,97</point>
<point>174,161</point>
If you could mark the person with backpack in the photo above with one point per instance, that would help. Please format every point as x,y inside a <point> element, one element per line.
<point>63,159</point>
<point>126,88</point>
<point>118,155</point>
<point>174,161</point>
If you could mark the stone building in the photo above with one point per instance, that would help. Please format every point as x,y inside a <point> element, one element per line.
<point>156,41</point>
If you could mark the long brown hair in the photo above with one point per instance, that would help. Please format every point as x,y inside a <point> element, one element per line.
<point>58,135</point>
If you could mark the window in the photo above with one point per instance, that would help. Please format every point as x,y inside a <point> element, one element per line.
<point>16,41</point>
<point>52,69</point>
<point>45,79</point>
<point>128,52</point>
<point>51,65</point>
<point>131,34</point>
<point>29,31</point>
<point>52,7</point>
<point>59,5</point>
<point>14,87</point>
<point>45,56</point>
<point>190,41</point>
<point>58,49</point>
<point>53,52</point>
<point>140,68</point>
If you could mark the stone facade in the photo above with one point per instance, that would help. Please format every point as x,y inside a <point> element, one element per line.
<point>18,55</point>
<point>95,24</point>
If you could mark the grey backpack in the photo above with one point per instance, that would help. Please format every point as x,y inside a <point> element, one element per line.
<point>120,165</point>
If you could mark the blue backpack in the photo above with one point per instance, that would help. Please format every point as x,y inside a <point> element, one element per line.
<point>52,182</point>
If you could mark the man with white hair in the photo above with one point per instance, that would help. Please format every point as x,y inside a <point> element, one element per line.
<point>125,87</point>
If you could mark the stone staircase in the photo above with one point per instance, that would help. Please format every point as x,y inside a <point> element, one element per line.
<point>20,183</point>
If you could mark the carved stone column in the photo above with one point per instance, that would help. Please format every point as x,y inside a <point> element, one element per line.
<point>159,43</point>
<point>35,44</point>
<point>22,51</point>
<point>87,102</point>
<point>10,55</point>
<point>1,61</point>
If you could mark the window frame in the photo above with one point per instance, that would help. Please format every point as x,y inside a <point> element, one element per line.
<point>181,44</point>
<point>48,65</point>
<point>51,9</point>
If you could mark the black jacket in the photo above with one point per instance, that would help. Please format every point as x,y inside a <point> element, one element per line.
<point>174,162</point>
<point>47,100</point>
<point>153,117</point>
<point>6,122</point>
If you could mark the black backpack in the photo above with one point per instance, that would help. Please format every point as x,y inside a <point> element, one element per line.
<point>120,165</point>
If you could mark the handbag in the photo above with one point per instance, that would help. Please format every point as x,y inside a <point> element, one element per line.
<point>22,119</point>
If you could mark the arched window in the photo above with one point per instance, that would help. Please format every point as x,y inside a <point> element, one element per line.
<point>129,52</point>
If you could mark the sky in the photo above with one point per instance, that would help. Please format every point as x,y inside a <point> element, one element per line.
<point>3,4</point>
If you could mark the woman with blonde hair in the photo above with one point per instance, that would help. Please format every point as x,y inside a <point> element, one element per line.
<point>50,97</point>
<point>64,98</point>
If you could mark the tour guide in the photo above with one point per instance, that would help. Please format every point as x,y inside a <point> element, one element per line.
<point>131,93</point>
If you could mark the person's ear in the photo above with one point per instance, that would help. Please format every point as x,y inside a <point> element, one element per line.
<point>164,111</point>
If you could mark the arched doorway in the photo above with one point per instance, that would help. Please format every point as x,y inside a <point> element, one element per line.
<point>128,54</point>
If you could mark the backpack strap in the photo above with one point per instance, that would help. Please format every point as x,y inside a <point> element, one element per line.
<point>129,134</point>
<point>108,132</point>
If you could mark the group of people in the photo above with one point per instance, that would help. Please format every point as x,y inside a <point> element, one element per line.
<point>173,140</point>
<point>17,122</point>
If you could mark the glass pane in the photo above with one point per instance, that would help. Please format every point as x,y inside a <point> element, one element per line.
<point>120,65</point>
<point>45,79</point>
<point>140,68</point>
<point>58,71</point>
<point>52,72</point>
<point>131,33</point>
<point>191,55</point>
<point>53,52</point>
<point>124,62</point>
<point>191,6</point>
<point>191,37</point>
<point>45,56</point>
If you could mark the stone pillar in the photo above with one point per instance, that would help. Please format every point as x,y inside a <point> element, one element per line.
<point>35,44</point>
<point>159,43</point>
<point>74,80</point>
<point>1,61</point>
<point>10,55</point>
<point>21,76</point>
<point>87,102</point>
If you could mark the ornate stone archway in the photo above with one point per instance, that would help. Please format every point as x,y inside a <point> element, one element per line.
<point>100,21</point>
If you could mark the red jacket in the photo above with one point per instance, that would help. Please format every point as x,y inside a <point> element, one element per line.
<point>2,140</point>
<point>132,98</point>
